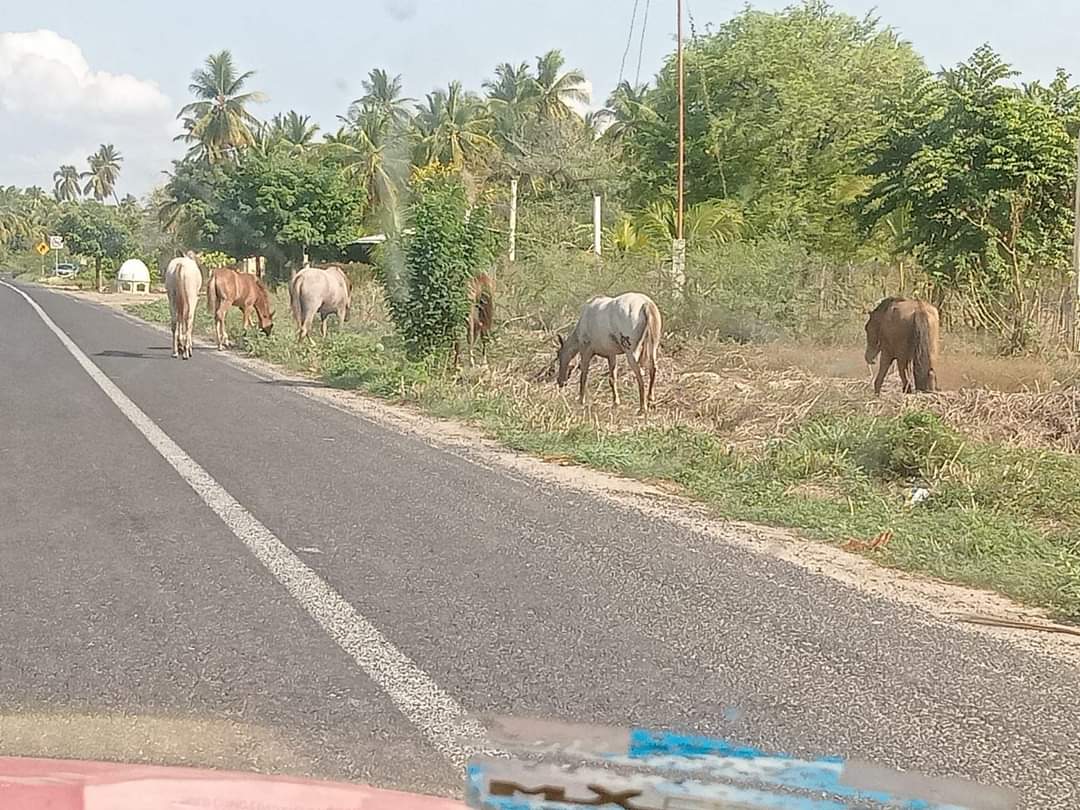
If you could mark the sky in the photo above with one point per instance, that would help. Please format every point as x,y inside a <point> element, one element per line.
<point>75,74</point>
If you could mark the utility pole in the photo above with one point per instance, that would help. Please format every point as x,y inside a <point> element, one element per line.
<point>513,218</point>
<point>1072,325</point>
<point>678,245</point>
<point>596,223</point>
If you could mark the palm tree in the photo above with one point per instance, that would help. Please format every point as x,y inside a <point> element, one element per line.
<point>382,93</point>
<point>66,185</point>
<point>104,171</point>
<point>512,83</point>
<point>14,221</point>
<point>294,129</point>
<point>627,110</point>
<point>721,220</point>
<point>218,122</point>
<point>512,96</point>
<point>557,91</point>
<point>372,153</point>
<point>454,126</point>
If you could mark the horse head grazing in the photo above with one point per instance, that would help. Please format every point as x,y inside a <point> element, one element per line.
<point>873,339</point>
<point>262,308</point>
<point>563,358</point>
<point>873,329</point>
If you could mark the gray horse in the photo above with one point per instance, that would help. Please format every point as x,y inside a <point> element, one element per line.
<point>322,291</point>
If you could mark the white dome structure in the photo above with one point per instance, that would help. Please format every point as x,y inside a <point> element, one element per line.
<point>132,275</point>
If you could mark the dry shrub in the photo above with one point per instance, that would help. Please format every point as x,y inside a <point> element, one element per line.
<point>751,394</point>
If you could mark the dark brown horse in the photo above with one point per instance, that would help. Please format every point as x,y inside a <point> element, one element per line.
<point>228,288</point>
<point>904,330</point>
<point>481,312</point>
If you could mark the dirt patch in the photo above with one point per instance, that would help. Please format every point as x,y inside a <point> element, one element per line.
<point>750,395</point>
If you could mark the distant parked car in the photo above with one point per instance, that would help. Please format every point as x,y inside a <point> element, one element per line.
<point>66,269</point>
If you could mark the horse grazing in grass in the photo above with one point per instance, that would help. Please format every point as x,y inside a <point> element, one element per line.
<point>628,325</point>
<point>481,318</point>
<point>183,278</point>
<point>228,288</point>
<point>322,291</point>
<point>904,330</point>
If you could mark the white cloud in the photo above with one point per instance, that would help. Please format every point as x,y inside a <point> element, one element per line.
<point>54,105</point>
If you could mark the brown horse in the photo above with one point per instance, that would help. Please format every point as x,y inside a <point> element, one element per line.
<point>228,288</point>
<point>481,312</point>
<point>904,330</point>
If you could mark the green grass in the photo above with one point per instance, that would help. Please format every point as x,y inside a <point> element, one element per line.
<point>999,518</point>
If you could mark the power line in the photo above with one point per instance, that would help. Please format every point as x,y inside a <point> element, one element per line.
<point>629,39</point>
<point>641,44</point>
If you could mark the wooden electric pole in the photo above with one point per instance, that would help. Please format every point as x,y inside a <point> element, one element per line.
<point>678,246</point>
<point>1072,325</point>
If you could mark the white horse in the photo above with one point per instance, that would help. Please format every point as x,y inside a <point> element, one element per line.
<point>629,325</point>
<point>322,291</point>
<point>183,279</point>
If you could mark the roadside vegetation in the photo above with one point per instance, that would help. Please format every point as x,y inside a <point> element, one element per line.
<point>828,168</point>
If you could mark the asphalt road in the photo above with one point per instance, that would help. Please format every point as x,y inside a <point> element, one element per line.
<point>135,623</point>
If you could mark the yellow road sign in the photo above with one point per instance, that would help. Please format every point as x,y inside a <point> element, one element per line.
<point>41,248</point>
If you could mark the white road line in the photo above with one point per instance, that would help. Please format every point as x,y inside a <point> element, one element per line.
<point>437,715</point>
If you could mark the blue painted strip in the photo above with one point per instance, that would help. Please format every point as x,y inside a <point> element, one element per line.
<point>646,742</point>
<point>691,752</point>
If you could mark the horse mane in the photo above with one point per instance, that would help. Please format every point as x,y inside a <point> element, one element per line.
<point>885,304</point>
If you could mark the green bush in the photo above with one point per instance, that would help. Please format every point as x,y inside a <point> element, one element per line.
<point>425,280</point>
<point>212,259</point>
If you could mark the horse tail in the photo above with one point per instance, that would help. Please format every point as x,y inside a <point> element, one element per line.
<point>294,302</point>
<point>924,337</point>
<point>653,330</point>
<point>485,302</point>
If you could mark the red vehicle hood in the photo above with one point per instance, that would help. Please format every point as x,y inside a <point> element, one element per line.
<point>58,784</point>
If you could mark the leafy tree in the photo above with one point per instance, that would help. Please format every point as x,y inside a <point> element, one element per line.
<point>96,232</point>
<point>426,283</point>
<point>985,173</point>
<point>278,205</point>
<point>186,204</point>
<point>103,174</point>
<point>780,107</point>
<point>218,123</point>
<point>66,184</point>
<point>454,127</point>
<point>557,91</point>
<point>563,154</point>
